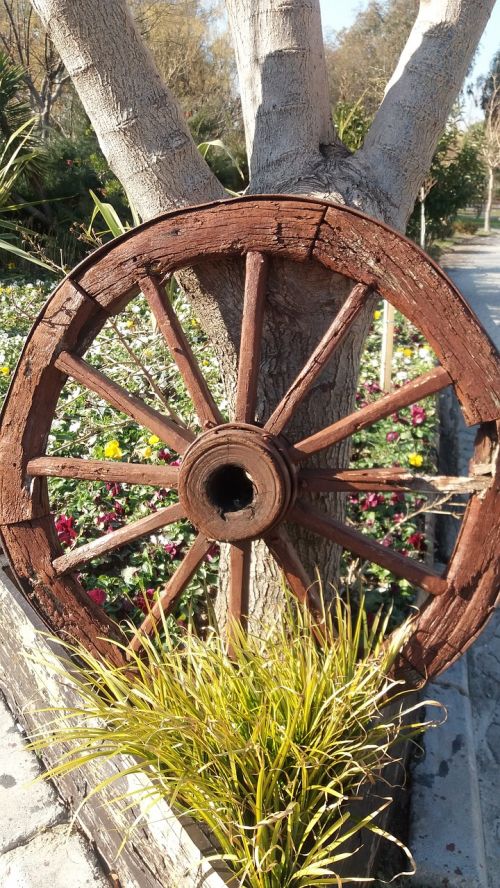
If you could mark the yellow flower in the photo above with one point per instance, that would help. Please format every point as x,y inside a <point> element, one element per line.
<point>5,371</point>
<point>415,459</point>
<point>112,450</point>
<point>154,439</point>
<point>407,352</point>
<point>377,315</point>
<point>147,452</point>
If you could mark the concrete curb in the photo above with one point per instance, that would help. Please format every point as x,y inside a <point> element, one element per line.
<point>446,830</point>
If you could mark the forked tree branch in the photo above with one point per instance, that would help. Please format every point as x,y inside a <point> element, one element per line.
<point>139,123</point>
<point>398,149</point>
<point>284,90</point>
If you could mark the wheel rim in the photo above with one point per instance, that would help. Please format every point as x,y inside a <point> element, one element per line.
<point>266,470</point>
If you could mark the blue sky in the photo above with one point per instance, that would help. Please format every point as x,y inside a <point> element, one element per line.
<point>340,15</point>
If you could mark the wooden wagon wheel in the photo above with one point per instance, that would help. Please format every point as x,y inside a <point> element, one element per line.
<point>238,481</point>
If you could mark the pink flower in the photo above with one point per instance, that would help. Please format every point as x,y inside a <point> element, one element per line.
<point>371,501</point>
<point>418,415</point>
<point>391,437</point>
<point>372,386</point>
<point>397,517</point>
<point>174,549</point>
<point>387,541</point>
<point>65,527</point>
<point>97,595</point>
<point>396,498</point>
<point>175,463</point>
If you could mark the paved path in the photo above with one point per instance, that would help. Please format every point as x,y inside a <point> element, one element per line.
<point>456,795</point>
<point>38,847</point>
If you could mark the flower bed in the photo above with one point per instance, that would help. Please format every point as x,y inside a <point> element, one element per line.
<point>127,580</point>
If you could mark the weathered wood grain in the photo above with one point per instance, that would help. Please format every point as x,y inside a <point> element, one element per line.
<point>360,544</point>
<point>103,470</point>
<point>368,251</point>
<point>256,275</point>
<point>421,387</point>
<point>173,435</point>
<point>169,325</point>
<point>336,333</point>
<point>108,542</point>
<point>387,480</point>
<point>173,589</point>
<point>62,603</point>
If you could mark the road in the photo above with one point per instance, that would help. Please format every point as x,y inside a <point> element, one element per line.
<point>475,269</point>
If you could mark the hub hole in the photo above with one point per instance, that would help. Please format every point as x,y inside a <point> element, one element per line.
<point>230,489</point>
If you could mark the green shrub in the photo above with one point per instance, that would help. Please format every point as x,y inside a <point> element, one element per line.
<point>269,749</point>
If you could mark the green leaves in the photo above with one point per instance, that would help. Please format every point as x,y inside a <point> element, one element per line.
<point>269,750</point>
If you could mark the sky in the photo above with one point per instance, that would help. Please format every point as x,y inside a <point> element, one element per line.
<point>340,15</point>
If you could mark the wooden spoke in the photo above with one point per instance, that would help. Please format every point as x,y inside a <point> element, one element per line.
<point>256,274</point>
<point>351,308</point>
<point>240,558</point>
<point>322,480</point>
<point>169,324</point>
<point>359,544</point>
<point>103,470</point>
<point>117,538</point>
<point>174,436</point>
<point>283,551</point>
<point>413,391</point>
<point>173,589</point>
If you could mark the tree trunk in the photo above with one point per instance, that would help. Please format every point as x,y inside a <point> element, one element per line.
<point>489,199</point>
<point>291,149</point>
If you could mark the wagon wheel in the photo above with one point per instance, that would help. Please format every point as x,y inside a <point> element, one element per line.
<point>239,481</point>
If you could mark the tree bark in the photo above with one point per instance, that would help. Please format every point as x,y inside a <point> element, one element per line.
<point>292,149</point>
<point>489,199</point>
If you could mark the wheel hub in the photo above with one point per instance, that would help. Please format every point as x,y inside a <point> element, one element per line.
<point>236,482</point>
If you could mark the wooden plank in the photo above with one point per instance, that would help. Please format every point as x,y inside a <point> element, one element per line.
<point>315,365</point>
<point>393,479</point>
<point>239,581</point>
<point>421,387</point>
<point>173,589</point>
<point>163,850</point>
<point>256,275</point>
<point>184,237</point>
<point>103,470</point>
<point>207,410</point>
<point>173,435</point>
<point>421,575</point>
<point>284,553</point>
<point>110,541</point>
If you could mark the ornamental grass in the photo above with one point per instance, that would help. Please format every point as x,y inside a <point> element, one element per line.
<point>269,749</point>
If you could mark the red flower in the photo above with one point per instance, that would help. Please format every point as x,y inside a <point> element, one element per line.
<point>164,454</point>
<point>65,526</point>
<point>418,415</point>
<point>113,488</point>
<point>397,498</point>
<point>97,595</point>
<point>417,540</point>
<point>391,437</point>
<point>143,603</point>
